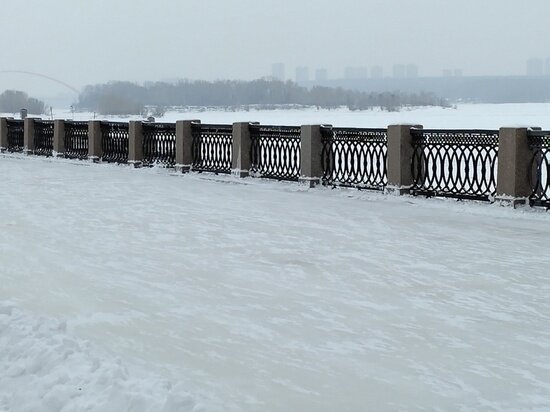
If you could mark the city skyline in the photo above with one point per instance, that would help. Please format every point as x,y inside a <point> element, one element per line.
<point>107,40</point>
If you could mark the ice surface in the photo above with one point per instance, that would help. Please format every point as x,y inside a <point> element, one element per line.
<point>465,116</point>
<point>259,296</point>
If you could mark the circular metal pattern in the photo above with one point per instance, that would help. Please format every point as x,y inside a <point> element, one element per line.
<point>455,163</point>
<point>16,135</point>
<point>275,152</point>
<point>212,147</point>
<point>76,140</point>
<point>355,157</point>
<point>539,142</point>
<point>114,142</point>
<point>43,137</point>
<point>159,144</point>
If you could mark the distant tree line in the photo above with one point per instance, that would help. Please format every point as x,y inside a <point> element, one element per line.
<point>120,98</point>
<point>12,101</point>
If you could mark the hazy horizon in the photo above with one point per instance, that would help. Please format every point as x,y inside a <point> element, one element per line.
<point>95,42</point>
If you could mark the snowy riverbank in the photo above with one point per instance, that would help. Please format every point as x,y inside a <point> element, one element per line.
<point>250,295</point>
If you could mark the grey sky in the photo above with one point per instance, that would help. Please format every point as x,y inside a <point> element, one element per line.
<point>83,42</point>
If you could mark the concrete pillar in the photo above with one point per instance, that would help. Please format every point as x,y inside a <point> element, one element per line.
<point>95,149</point>
<point>400,155</point>
<point>241,163</point>
<point>28,139</point>
<point>135,143</point>
<point>514,167</point>
<point>3,134</point>
<point>311,152</point>
<point>184,142</point>
<point>59,138</point>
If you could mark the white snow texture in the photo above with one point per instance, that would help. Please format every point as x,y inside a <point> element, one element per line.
<point>42,368</point>
<point>146,290</point>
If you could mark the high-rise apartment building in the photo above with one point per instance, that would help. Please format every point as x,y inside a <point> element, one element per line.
<point>302,74</point>
<point>278,71</point>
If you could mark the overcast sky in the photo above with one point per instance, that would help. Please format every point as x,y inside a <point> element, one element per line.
<point>82,42</point>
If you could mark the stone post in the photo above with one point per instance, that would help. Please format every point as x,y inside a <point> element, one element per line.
<point>311,153</point>
<point>28,139</point>
<point>241,162</point>
<point>184,144</point>
<point>95,149</point>
<point>135,143</point>
<point>514,161</point>
<point>400,156</point>
<point>59,138</point>
<point>4,144</point>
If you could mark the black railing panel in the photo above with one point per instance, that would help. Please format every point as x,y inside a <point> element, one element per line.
<point>43,137</point>
<point>114,142</point>
<point>455,163</point>
<point>16,135</point>
<point>355,157</point>
<point>159,144</point>
<point>212,147</point>
<point>539,141</point>
<point>275,151</point>
<point>76,140</point>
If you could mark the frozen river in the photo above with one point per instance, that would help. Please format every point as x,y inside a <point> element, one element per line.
<point>461,116</point>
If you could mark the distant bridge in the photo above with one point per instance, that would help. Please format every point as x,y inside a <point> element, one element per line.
<point>68,86</point>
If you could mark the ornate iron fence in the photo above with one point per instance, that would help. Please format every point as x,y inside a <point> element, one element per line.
<point>76,140</point>
<point>114,142</point>
<point>212,147</point>
<point>275,151</point>
<point>355,157</point>
<point>455,163</point>
<point>16,135</point>
<point>159,144</point>
<point>539,141</point>
<point>43,137</point>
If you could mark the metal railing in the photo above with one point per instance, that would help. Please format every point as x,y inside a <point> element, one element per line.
<point>461,164</point>
<point>43,137</point>
<point>16,135</point>
<point>114,142</point>
<point>212,147</point>
<point>275,151</point>
<point>455,163</point>
<point>355,157</point>
<point>539,142</point>
<point>76,140</point>
<point>159,144</point>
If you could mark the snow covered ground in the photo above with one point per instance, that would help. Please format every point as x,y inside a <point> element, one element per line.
<point>144,290</point>
<point>45,369</point>
<point>465,116</point>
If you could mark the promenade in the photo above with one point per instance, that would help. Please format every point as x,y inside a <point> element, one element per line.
<point>275,297</point>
